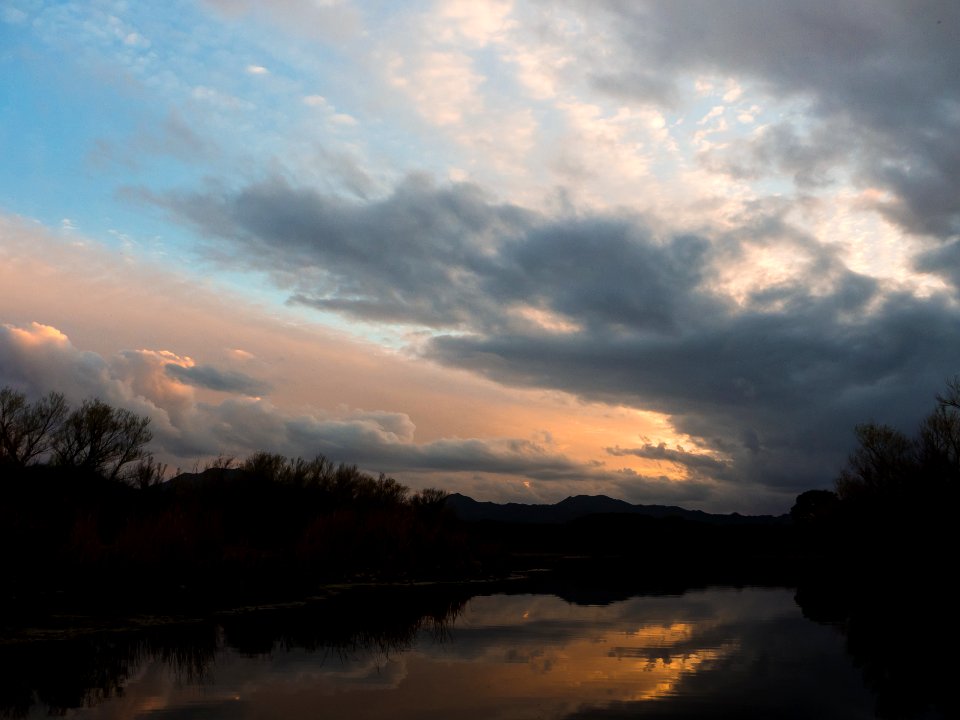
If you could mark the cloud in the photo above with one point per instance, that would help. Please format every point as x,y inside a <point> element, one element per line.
<point>371,261</point>
<point>106,303</point>
<point>475,22</point>
<point>212,378</point>
<point>722,297</point>
<point>452,257</point>
<point>39,358</point>
<point>443,85</point>
<point>943,261</point>
<point>769,368</point>
<point>880,82</point>
<point>31,357</point>
<point>696,463</point>
<point>780,149</point>
<point>778,393</point>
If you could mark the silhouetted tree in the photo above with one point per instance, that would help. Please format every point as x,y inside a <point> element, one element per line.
<point>221,462</point>
<point>267,465</point>
<point>27,429</point>
<point>102,439</point>
<point>882,465</point>
<point>387,491</point>
<point>316,473</point>
<point>429,498</point>
<point>889,467</point>
<point>938,444</point>
<point>147,472</point>
<point>814,507</point>
<point>310,473</point>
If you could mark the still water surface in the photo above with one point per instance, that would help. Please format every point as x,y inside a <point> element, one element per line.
<point>709,653</point>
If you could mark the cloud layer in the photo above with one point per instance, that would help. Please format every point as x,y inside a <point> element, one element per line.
<point>186,427</point>
<point>876,81</point>
<point>721,234</point>
<point>771,377</point>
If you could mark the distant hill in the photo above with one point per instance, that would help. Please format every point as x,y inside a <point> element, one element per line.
<point>204,478</point>
<point>579,506</point>
<point>470,510</point>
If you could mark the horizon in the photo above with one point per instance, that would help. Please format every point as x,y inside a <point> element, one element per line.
<point>199,471</point>
<point>607,497</point>
<point>666,252</point>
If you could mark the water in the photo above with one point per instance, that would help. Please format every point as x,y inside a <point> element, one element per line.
<point>711,653</point>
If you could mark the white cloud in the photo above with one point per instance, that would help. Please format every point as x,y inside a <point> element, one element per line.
<point>444,86</point>
<point>733,91</point>
<point>538,69</point>
<point>477,22</point>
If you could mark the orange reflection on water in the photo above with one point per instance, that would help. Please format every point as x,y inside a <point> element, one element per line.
<point>569,667</point>
<point>661,635</point>
<point>504,657</point>
<point>613,666</point>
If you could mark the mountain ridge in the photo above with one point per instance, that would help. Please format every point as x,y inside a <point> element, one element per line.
<point>574,507</point>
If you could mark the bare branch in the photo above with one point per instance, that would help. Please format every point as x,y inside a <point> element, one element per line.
<point>27,429</point>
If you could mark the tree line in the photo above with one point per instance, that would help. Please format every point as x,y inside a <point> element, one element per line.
<point>83,498</point>
<point>891,473</point>
<point>85,508</point>
<point>887,467</point>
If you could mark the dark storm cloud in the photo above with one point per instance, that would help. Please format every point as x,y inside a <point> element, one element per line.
<point>451,258</point>
<point>211,378</point>
<point>773,384</point>
<point>943,261</point>
<point>879,77</point>
<point>810,160</point>
<point>373,260</point>
<point>604,272</point>
<point>778,392</point>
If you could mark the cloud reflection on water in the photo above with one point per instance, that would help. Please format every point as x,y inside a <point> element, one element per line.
<point>531,656</point>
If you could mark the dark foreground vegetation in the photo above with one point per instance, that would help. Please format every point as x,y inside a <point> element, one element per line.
<point>882,558</point>
<point>85,515</point>
<point>261,529</point>
<point>894,510</point>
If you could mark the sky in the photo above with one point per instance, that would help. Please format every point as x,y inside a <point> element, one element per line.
<point>671,252</point>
